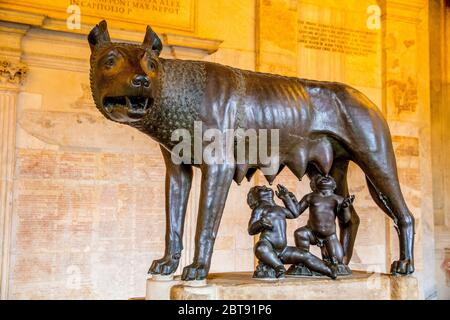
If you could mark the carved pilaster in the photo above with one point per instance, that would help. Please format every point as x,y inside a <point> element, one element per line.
<point>274,53</point>
<point>12,74</point>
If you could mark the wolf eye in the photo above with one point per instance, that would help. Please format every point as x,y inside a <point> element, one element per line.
<point>110,62</point>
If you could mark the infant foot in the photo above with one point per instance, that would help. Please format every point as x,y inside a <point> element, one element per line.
<point>334,267</point>
<point>280,272</point>
<point>334,271</point>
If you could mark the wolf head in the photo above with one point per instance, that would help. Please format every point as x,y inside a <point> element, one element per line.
<point>124,77</point>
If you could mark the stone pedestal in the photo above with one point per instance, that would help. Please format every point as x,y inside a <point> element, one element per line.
<point>158,287</point>
<point>241,286</point>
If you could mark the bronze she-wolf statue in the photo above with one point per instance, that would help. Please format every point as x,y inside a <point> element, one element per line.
<point>322,126</point>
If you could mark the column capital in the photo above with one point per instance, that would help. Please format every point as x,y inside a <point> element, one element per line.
<point>12,74</point>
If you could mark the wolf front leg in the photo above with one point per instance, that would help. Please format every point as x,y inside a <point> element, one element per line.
<point>178,185</point>
<point>215,184</point>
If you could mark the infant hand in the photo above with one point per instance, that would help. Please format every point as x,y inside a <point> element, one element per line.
<point>282,192</point>
<point>348,201</point>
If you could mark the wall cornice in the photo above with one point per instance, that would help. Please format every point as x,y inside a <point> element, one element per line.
<point>182,46</point>
<point>404,10</point>
<point>59,52</point>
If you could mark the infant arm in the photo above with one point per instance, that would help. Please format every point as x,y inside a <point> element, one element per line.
<point>344,213</point>
<point>255,225</point>
<point>302,205</point>
<point>296,209</point>
<point>289,214</point>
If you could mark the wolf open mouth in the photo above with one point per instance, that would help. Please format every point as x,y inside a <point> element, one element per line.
<point>137,105</point>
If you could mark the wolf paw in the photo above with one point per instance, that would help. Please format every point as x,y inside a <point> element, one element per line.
<point>194,271</point>
<point>402,267</point>
<point>165,266</point>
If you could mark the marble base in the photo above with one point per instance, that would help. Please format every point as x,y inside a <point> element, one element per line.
<point>241,286</point>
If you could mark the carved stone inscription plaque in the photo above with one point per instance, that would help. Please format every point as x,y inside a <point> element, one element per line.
<point>170,14</point>
<point>337,39</point>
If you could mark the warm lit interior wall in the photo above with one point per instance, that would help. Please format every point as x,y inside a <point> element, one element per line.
<point>407,105</point>
<point>440,136</point>
<point>88,214</point>
<point>88,210</point>
<point>385,56</point>
<point>357,62</point>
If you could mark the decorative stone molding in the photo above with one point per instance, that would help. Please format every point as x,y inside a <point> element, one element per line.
<point>12,73</point>
<point>22,17</point>
<point>187,47</point>
<point>11,35</point>
<point>180,15</point>
<point>48,49</point>
<point>406,11</point>
<point>177,45</point>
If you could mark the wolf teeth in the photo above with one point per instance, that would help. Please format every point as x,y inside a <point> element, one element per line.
<point>129,106</point>
<point>133,103</point>
<point>109,108</point>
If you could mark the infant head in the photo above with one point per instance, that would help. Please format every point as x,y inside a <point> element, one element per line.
<point>257,194</point>
<point>320,183</point>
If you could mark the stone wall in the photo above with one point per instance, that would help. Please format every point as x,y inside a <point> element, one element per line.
<point>87,218</point>
<point>381,48</point>
<point>440,135</point>
<point>82,209</point>
<point>407,103</point>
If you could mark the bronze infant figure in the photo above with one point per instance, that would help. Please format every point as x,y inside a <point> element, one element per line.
<point>272,250</point>
<point>322,127</point>
<point>324,207</point>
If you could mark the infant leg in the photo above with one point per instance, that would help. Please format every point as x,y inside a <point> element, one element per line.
<point>304,238</point>
<point>296,256</point>
<point>334,249</point>
<point>265,253</point>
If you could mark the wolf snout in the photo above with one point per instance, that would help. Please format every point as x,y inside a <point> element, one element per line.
<point>140,81</point>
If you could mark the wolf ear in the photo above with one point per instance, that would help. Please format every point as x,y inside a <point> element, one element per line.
<point>152,40</point>
<point>98,35</point>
